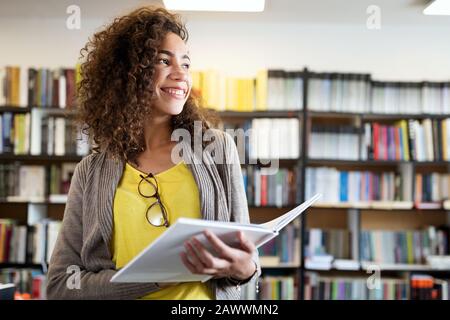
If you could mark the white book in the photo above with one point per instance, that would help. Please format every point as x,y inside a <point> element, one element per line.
<point>294,146</point>
<point>27,133</point>
<point>22,244</point>
<point>32,182</point>
<point>168,266</point>
<point>52,235</point>
<point>257,182</point>
<point>36,132</point>
<point>62,90</point>
<point>60,136</point>
<point>23,87</point>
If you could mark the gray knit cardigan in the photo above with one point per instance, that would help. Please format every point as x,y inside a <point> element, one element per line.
<point>84,239</point>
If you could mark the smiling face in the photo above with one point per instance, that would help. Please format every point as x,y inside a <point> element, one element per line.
<point>172,80</point>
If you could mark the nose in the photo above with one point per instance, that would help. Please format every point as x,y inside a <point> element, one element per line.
<point>179,73</point>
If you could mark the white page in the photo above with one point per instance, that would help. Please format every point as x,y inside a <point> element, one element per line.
<point>280,222</point>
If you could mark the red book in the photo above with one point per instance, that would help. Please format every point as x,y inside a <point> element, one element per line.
<point>70,87</point>
<point>36,288</point>
<point>263,190</point>
<point>376,138</point>
<point>384,136</point>
<point>7,248</point>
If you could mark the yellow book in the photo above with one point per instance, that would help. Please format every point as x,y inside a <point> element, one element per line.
<point>77,73</point>
<point>231,94</point>
<point>196,81</point>
<point>410,244</point>
<point>240,92</point>
<point>250,95</point>
<point>2,239</point>
<point>404,128</point>
<point>261,90</point>
<point>15,86</point>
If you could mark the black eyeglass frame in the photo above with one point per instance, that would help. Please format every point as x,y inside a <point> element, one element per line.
<point>157,202</point>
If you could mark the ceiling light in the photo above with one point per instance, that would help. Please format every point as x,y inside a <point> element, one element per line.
<point>215,5</point>
<point>438,7</point>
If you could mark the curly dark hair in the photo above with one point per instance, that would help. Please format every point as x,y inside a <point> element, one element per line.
<point>115,91</point>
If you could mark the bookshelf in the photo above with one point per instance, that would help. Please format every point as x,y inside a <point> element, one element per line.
<point>389,214</point>
<point>359,215</point>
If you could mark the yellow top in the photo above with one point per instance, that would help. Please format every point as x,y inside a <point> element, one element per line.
<point>132,232</point>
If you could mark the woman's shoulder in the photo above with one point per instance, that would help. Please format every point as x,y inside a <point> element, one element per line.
<point>223,137</point>
<point>91,161</point>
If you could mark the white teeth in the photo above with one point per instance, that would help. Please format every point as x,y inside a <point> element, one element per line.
<point>177,92</point>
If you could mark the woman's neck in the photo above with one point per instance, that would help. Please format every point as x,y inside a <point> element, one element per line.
<point>157,132</point>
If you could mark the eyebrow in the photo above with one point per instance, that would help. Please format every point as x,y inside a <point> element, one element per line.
<point>171,54</point>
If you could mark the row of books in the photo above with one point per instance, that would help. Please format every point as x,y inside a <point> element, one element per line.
<point>266,189</point>
<point>272,90</point>
<point>30,284</point>
<point>410,98</point>
<point>272,288</point>
<point>426,140</point>
<point>41,134</point>
<point>27,244</point>
<point>333,242</point>
<point>407,246</point>
<point>318,287</point>
<point>357,93</point>
<point>337,92</point>
<point>432,188</point>
<point>35,182</point>
<point>284,249</point>
<point>43,87</point>
<point>334,142</point>
<point>266,138</point>
<point>338,186</point>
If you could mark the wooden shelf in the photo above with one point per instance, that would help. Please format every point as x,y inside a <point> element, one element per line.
<point>374,116</point>
<point>40,158</point>
<point>401,267</point>
<point>376,205</point>
<point>337,162</point>
<point>261,114</point>
<point>52,110</point>
<point>6,265</point>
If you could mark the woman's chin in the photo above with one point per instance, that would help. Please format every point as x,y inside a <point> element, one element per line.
<point>168,110</point>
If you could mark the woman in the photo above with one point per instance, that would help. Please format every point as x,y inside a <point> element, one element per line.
<point>135,92</point>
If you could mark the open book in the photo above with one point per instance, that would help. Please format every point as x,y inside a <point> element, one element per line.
<point>161,262</point>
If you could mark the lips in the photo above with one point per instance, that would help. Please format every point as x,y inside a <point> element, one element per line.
<point>176,92</point>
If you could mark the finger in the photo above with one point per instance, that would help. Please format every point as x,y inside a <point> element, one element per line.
<point>222,249</point>
<point>193,258</point>
<point>187,263</point>
<point>208,260</point>
<point>246,244</point>
<point>199,267</point>
<point>194,268</point>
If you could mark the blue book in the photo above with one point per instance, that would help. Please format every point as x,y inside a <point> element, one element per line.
<point>343,186</point>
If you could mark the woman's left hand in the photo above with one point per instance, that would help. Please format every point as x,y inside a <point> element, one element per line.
<point>229,262</point>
